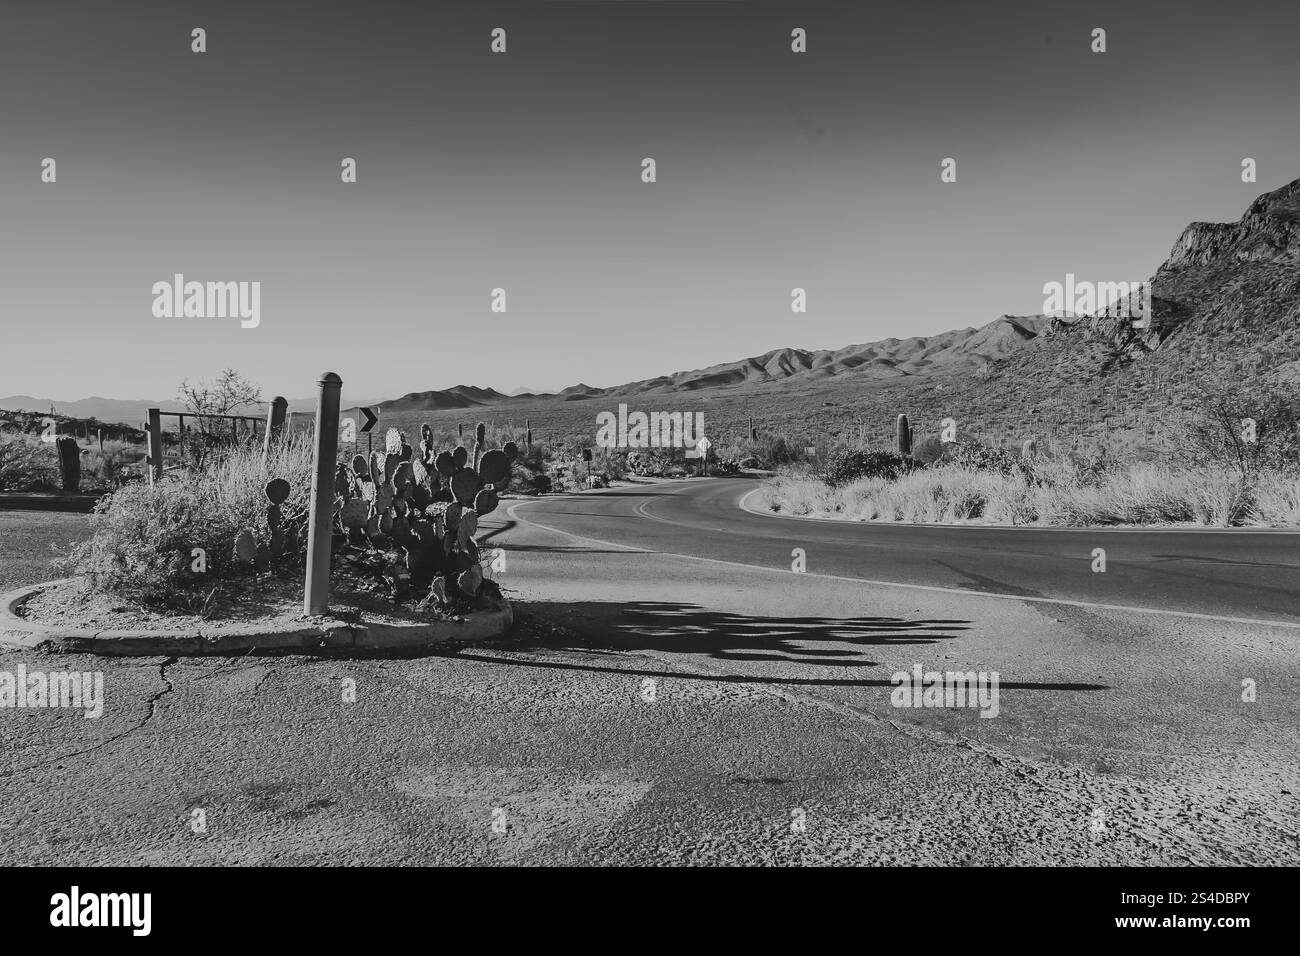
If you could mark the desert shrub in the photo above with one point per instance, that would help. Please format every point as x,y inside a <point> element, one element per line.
<point>27,464</point>
<point>118,462</point>
<point>1276,500</point>
<point>143,535</point>
<point>847,466</point>
<point>1218,433</point>
<point>650,463</point>
<point>771,451</point>
<point>927,451</point>
<point>529,473</point>
<point>978,457</point>
<point>724,465</point>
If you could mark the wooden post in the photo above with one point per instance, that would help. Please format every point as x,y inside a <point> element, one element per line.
<point>100,432</point>
<point>274,426</point>
<point>155,459</point>
<point>316,593</point>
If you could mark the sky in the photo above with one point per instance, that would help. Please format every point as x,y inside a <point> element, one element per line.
<point>522,171</point>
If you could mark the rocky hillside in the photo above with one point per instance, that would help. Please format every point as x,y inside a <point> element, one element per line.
<point>1226,308</point>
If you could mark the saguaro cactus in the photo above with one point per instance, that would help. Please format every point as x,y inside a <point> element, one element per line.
<point>69,462</point>
<point>1029,448</point>
<point>904,436</point>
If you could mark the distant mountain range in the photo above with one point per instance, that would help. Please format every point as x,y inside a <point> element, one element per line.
<point>1225,303</point>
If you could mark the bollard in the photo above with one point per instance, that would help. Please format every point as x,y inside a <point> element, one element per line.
<point>316,593</point>
<point>155,459</point>
<point>69,462</point>
<point>274,426</point>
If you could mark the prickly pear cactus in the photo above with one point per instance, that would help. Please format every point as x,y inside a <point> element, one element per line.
<point>494,467</point>
<point>354,514</point>
<point>277,490</point>
<point>409,519</point>
<point>465,484</point>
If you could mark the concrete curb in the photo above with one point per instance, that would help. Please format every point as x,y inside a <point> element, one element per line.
<point>33,501</point>
<point>21,634</point>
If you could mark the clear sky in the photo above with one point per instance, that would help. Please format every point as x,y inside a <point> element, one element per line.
<point>523,171</point>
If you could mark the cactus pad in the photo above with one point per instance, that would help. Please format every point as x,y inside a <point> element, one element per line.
<point>460,455</point>
<point>511,450</point>
<point>465,484</point>
<point>438,590</point>
<point>465,530</point>
<point>245,546</point>
<point>494,467</point>
<point>354,514</point>
<point>485,502</point>
<point>469,581</point>
<point>277,489</point>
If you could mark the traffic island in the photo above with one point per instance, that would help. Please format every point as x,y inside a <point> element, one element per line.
<point>63,616</point>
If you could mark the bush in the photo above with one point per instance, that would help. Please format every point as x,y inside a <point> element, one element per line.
<point>927,451</point>
<point>1220,435</point>
<point>844,467</point>
<point>143,535</point>
<point>977,457</point>
<point>27,464</point>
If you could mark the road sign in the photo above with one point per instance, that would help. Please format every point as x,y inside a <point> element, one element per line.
<point>701,448</point>
<point>371,417</point>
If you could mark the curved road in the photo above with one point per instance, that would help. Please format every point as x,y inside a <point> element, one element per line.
<point>1238,575</point>
<point>675,694</point>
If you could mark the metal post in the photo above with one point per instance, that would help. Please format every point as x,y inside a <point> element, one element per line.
<point>316,594</point>
<point>274,426</point>
<point>154,430</point>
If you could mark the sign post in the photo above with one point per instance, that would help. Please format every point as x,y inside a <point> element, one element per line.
<point>274,426</point>
<point>371,416</point>
<point>316,593</point>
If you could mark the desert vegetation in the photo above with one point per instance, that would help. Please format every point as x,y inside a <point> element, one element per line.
<point>1237,462</point>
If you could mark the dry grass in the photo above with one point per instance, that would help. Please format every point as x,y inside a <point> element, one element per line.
<point>143,536</point>
<point>1059,496</point>
<point>29,464</point>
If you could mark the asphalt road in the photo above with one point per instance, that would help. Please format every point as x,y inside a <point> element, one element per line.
<point>676,694</point>
<point>1253,575</point>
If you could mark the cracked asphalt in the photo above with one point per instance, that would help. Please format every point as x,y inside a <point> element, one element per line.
<point>655,709</point>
